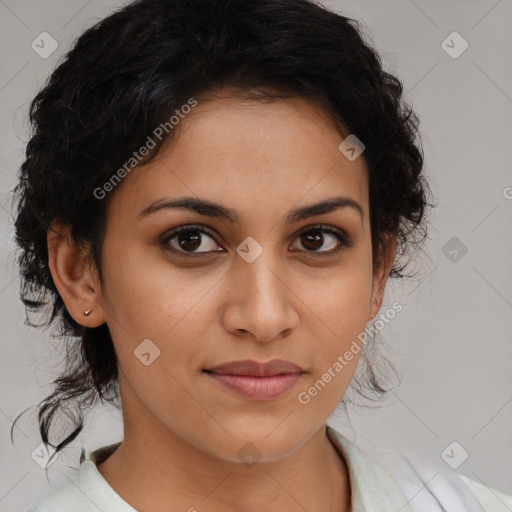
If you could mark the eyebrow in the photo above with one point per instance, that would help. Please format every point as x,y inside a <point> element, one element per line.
<point>211,209</point>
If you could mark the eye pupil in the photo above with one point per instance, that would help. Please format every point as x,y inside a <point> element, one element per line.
<point>312,238</point>
<point>193,237</point>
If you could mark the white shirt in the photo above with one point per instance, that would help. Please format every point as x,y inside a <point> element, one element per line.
<point>374,489</point>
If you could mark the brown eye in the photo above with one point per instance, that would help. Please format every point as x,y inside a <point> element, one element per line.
<point>329,239</point>
<point>191,240</point>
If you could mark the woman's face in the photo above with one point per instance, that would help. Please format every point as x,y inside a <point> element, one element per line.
<point>260,284</point>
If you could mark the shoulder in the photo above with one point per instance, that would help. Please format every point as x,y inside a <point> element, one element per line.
<point>413,487</point>
<point>491,499</point>
<point>86,492</point>
<point>425,485</point>
<point>64,498</point>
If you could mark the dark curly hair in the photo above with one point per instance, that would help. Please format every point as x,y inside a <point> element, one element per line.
<point>128,73</point>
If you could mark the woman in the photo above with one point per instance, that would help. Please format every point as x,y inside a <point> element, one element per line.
<point>214,197</point>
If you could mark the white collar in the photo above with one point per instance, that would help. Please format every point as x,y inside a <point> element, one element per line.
<point>373,489</point>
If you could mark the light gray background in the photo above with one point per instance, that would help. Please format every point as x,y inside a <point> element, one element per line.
<point>451,343</point>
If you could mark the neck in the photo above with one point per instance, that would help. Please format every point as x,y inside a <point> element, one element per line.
<point>154,468</point>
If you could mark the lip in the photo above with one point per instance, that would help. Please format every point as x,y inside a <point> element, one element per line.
<point>248,367</point>
<point>255,380</point>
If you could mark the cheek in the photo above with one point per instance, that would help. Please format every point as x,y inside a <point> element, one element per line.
<point>338,308</point>
<point>338,300</point>
<point>151,297</point>
<point>160,320</point>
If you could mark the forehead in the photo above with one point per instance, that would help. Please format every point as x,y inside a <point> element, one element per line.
<point>252,156</point>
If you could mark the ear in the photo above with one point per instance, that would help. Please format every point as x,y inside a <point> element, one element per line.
<point>74,276</point>
<point>381,271</point>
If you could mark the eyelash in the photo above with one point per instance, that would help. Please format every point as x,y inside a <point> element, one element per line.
<point>344,241</point>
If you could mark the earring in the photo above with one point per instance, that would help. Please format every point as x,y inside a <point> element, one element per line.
<point>87,312</point>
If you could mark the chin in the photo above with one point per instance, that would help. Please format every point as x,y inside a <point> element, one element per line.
<point>261,443</point>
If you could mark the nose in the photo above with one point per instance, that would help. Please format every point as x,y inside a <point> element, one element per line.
<point>260,302</point>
